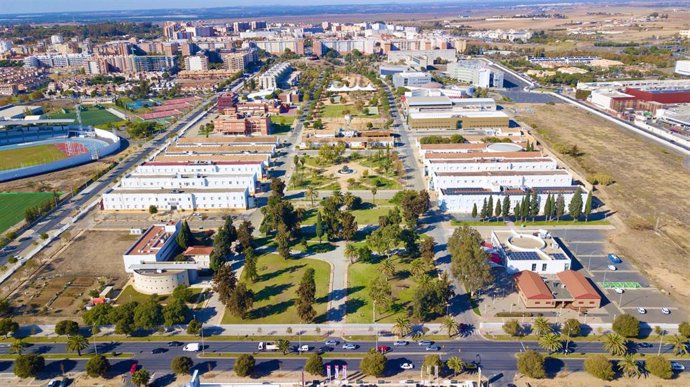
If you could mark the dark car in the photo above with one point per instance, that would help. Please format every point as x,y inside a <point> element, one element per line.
<point>174,344</point>
<point>644,345</point>
<point>158,350</point>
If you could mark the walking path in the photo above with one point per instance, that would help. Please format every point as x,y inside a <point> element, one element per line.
<point>337,295</point>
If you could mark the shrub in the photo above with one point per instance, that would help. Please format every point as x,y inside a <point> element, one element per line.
<point>600,178</point>
<point>659,366</point>
<point>531,363</point>
<point>314,365</point>
<point>599,366</point>
<point>512,327</point>
<point>572,328</point>
<point>626,325</point>
<point>684,329</point>
<point>97,366</point>
<point>26,366</point>
<point>181,365</point>
<point>244,365</point>
<point>373,363</point>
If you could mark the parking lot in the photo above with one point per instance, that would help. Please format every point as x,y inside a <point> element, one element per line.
<point>589,248</point>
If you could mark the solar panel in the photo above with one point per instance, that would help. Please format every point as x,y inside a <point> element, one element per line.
<point>559,257</point>
<point>524,256</point>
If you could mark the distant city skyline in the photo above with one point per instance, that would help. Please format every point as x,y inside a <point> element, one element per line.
<point>42,6</point>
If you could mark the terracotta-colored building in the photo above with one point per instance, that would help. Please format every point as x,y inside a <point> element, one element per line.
<point>568,289</point>
<point>238,124</point>
<point>533,291</point>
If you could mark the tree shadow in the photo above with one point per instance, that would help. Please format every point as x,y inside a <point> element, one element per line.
<point>553,366</point>
<point>120,367</point>
<point>264,368</point>
<point>339,294</point>
<point>270,291</point>
<point>270,310</point>
<point>56,368</point>
<point>352,305</point>
<point>164,380</point>
<point>206,366</point>
<point>268,276</point>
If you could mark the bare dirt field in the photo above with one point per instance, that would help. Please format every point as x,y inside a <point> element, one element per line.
<point>583,379</point>
<point>60,287</point>
<point>649,195</point>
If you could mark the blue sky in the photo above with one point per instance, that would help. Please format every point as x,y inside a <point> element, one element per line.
<point>29,6</point>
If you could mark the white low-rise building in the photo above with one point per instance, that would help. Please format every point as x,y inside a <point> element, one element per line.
<point>532,251</point>
<point>205,167</point>
<point>488,179</point>
<point>156,244</point>
<point>485,162</point>
<point>411,79</point>
<point>189,181</point>
<point>176,199</point>
<point>463,200</point>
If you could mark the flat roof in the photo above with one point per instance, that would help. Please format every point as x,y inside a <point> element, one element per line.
<point>465,145</point>
<point>222,149</point>
<point>175,191</point>
<point>449,114</point>
<point>505,173</point>
<point>441,100</point>
<point>228,139</point>
<point>237,157</point>
<point>151,241</point>
<point>187,175</point>
<point>479,155</point>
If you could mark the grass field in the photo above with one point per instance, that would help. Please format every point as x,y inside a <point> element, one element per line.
<point>275,291</point>
<point>91,116</point>
<point>31,155</point>
<point>336,111</point>
<point>359,305</point>
<point>14,204</point>
<point>363,217</point>
<point>281,124</point>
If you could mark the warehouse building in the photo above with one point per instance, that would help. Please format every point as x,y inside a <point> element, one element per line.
<point>458,120</point>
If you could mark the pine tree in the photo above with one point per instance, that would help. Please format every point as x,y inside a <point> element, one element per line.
<point>474,211</point>
<point>490,206</point>
<point>517,211</point>
<point>588,205</point>
<point>525,206</point>
<point>560,206</point>
<point>497,210</point>
<point>506,206</point>
<point>553,207</point>
<point>483,213</point>
<point>575,205</point>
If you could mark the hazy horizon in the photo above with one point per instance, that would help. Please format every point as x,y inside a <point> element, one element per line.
<point>54,6</point>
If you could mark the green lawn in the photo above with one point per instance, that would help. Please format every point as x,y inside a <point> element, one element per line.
<point>281,124</point>
<point>92,116</point>
<point>366,183</point>
<point>309,177</point>
<point>275,292</point>
<point>359,306</point>
<point>336,111</point>
<point>363,217</point>
<point>128,294</point>
<point>13,205</point>
<point>30,155</point>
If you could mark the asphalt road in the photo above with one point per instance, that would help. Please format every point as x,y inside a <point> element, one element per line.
<point>493,357</point>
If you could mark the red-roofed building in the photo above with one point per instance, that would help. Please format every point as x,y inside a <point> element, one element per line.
<point>199,254</point>
<point>533,291</point>
<point>583,294</point>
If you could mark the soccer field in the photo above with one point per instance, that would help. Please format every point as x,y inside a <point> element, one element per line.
<point>31,155</point>
<point>13,205</point>
<point>92,116</point>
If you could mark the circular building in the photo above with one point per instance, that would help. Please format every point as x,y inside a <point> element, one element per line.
<point>159,281</point>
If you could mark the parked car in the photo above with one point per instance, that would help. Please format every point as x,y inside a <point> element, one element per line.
<point>641,310</point>
<point>400,343</point>
<point>134,368</point>
<point>433,348</point>
<point>174,344</point>
<point>407,366</point>
<point>613,258</point>
<point>665,311</point>
<point>349,346</point>
<point>618,290</point>
<point>612,268</point>
<point>332,342</point>
<point>645,345</point>
<point>677,366</point>
<point>383,348</point>
<point>303,348</point>
<point>53,383</point>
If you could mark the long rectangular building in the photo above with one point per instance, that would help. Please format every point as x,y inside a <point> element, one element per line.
<point>458,120</point>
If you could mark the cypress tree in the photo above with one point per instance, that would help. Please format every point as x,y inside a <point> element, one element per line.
<point>575,205</point>
<point>474,211</point>
<point>553,206</point>
<point>588,205</point>
<point>482,214</point>
<point>525,206</point>
<point>517,211</point>
<point>497,211</point>
<point>506,206</point>
<point>319,226</point>
<point>560,206</point>
<point>534,204</point>
<point>547,207</point>
<point>490,206</point>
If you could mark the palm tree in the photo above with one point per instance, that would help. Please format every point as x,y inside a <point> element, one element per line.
<point>388,269</point>
<point>417,268</point>
<point>551,342</point>
<point>616,344</point>
<point>311,195</point>
<point>541,326</point>
<point>456,364</point>
<point>77,343</point>
<point>18,346</point>
<point>679,343</point>
<point>352,252</point>
<point>373,195</point>
<point>402,327</point>
<point>451,326</point>
<point>284,346</point>
<point>629,366</point>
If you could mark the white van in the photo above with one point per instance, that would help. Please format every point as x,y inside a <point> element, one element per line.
<point>191,347</point>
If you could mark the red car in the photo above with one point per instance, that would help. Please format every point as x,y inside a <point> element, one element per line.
<point>133,368</point>
<point>383,348</point>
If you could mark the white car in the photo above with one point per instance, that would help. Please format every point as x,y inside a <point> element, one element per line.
<point>612,268</point>
<point>665,311</point>
<point>618,290</point>
<point>677,366</point>
<point>409,366</point>
<point>641,310</point>
<point>304,348</point>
